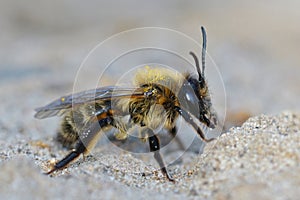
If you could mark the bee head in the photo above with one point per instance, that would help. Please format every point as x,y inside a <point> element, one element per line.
<point>194,94</point>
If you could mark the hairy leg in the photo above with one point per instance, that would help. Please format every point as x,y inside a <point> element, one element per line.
<point>85,143</point>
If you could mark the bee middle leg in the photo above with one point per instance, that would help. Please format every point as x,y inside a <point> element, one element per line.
<point>155,147</point>
<point>85,143</point>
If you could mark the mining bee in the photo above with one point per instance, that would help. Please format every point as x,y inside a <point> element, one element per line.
<point>158,98</point>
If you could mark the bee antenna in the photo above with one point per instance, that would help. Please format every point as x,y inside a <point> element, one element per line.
<point>197,63</point>
<point>203,49</point>
<point>201,72</point>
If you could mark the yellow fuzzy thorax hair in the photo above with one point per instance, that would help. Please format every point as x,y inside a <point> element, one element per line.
<point>159,75</point>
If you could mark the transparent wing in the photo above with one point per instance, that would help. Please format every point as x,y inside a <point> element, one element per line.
<point>64,103</point>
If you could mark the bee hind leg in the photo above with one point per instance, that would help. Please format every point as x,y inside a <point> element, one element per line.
<point>80,148</point>
<point>85,143</point>
<point>155,147</point>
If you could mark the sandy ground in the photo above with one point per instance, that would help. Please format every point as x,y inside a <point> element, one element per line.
<point>254,46</point>
<point>259,160</point>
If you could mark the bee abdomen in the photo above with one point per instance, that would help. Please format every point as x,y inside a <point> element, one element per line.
<point>68,133</point>
<point>67,136</point>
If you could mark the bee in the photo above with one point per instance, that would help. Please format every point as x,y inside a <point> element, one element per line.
<point>156,101</point>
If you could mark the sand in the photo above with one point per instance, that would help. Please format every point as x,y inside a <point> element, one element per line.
<point>259,160</point>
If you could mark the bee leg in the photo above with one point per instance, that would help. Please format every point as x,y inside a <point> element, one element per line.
<point>154,147</point>
<point>173,133</point>
<point>189,119</point>
<point>80,148</point>
<point>85,143</point>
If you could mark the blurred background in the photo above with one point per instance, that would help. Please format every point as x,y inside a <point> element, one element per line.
<point>255,46</point>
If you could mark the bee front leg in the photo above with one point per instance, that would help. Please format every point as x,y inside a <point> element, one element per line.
<point>155,147</point>
<point>189,119</point>
<point>85,144</point>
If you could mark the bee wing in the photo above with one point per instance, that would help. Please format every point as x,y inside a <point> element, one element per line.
<point>59,106</point>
